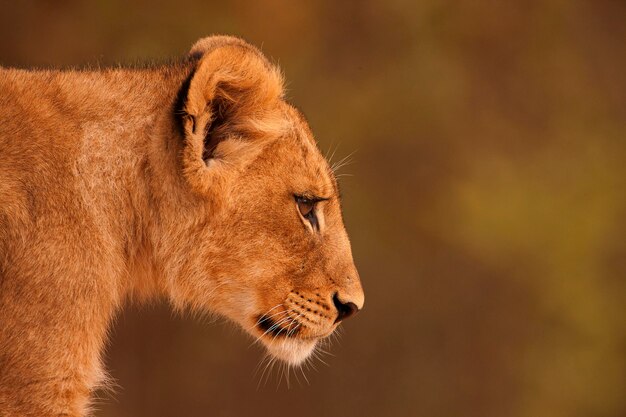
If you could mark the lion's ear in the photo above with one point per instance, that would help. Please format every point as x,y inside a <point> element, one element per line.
<point>208,44</point>
<point>233,85</point>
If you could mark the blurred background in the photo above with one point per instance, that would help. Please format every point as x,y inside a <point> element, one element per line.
<point>486,202</point>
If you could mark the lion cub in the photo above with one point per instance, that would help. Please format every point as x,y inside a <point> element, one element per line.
<point>196,182</point>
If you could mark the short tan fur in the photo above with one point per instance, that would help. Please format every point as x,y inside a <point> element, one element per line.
<point>191,182</point>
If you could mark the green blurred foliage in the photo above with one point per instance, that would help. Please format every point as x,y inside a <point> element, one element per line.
<point>487,202</point>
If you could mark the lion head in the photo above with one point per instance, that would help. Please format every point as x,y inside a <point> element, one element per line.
<point>254,225</point>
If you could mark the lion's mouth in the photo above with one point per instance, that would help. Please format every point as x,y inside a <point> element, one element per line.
<point>285,337</point>
<point>284,327</point>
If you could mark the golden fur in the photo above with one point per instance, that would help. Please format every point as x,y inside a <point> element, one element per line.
<point>174,181</point>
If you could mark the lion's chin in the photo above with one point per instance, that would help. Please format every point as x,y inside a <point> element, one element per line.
<point>291,350</point>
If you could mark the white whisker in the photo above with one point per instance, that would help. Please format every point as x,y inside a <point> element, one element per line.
<point>270,329</point>
<point>304,375</point>
<point>265,316</point>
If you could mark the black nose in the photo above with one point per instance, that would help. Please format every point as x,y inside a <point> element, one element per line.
<point>344,310</point>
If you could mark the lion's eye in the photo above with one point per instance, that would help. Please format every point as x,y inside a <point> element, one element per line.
<point>306,206</point>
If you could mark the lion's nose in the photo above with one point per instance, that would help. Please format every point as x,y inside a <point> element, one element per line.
<point>345,309</point>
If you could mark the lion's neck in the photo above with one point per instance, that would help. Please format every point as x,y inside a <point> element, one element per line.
<point>100,130</point>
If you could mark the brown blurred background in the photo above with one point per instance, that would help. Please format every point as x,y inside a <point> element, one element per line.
<point>487,206</point>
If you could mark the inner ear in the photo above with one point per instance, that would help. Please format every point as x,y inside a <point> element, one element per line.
<point>215,132</point>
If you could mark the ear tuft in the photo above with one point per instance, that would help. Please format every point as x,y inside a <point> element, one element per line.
<point>209,43</point>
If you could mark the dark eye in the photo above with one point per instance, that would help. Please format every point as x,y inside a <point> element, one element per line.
<point>306,206</point>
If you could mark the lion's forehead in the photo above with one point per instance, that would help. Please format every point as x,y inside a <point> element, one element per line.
<point>318,171</point>
<point>295,151</point>
<point>318,168</point>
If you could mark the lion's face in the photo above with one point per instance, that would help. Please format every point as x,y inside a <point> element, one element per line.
<point>270,250</point>
<point>288,276</point>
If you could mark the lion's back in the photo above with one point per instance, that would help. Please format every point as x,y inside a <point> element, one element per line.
<point>69,147</point>
<point>35,151</point>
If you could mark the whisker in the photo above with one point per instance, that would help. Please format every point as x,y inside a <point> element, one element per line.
<point>317,355</point>
<point>292,332</point>
<point>309,363</point>
<point>343,162</point>
<point>295,374</point>
<point>265,316</point>
<point>271,329</point>
<point>330,160</point>
<point>270,366</point>
<point>281,374</point>
<point>265,358</point>
<point>304,376</point>
<point>325,352</point>
<point>288,319</point>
